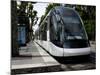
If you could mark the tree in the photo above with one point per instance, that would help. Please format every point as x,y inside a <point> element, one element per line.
<point>88,14</point>
<point>28,16</point>
<point>14,42</point>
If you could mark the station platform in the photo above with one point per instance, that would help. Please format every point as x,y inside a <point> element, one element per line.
<point>33,59</point>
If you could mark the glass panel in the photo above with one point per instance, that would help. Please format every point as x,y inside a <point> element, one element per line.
<point>73,28</point>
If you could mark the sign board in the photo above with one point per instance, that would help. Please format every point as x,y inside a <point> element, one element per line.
<point>22,35</point>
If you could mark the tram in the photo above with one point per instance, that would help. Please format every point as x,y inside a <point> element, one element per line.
<point>62,33</point>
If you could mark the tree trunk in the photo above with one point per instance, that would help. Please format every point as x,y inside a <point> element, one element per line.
<point>14,32</point>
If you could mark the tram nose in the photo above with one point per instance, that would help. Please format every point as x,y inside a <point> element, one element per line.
<point>76,51</point>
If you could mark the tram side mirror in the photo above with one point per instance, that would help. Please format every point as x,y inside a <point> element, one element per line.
<point>58,18</point>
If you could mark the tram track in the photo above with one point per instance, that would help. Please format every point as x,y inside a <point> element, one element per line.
<point>74,64</point>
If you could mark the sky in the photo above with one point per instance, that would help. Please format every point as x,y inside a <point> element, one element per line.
<point>40,8</point>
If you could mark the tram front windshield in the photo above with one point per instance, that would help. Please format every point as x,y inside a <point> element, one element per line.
<point>73,28</point>
<point>71,33</point>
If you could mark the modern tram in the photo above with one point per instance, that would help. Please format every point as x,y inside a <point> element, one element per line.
<point>62,33</point>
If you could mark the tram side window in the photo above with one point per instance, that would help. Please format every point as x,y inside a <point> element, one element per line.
<point>53,29</point>
<point>44,31</point>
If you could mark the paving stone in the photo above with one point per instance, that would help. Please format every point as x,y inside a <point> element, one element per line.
<point>33,58</point>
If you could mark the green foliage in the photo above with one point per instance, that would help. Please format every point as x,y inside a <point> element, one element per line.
<point>25,11</point>
<point>50,6</point>
<point>88,15</point>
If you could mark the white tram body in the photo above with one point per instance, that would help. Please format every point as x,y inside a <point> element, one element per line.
<point>62,33</point>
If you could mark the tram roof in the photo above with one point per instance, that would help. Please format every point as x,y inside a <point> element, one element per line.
<point>65,10</point>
